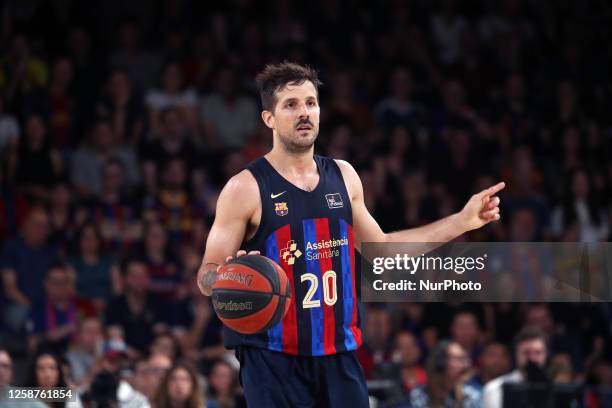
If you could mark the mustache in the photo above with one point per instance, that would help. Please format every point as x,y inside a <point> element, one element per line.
<point>304,122</point>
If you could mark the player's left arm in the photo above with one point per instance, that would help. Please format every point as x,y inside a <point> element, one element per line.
<point>481,209</point>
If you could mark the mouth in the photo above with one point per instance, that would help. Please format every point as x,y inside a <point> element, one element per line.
<point>304,127</point>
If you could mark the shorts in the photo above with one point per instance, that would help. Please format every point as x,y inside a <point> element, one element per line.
<point>276,380</point>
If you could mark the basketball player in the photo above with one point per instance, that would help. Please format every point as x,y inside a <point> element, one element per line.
<point>307,213</point>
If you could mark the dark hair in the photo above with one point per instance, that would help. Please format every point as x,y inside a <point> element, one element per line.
<point>56,265</point>
<point>195,399</point>
<point>125,264</point>
<point>32,380</point>
<point>275,77</point>
<point>527,334</point>
<point>76,242</point>
<point>437,383</point>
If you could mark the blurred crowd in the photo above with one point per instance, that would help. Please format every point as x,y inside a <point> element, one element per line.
<point>120,121</point>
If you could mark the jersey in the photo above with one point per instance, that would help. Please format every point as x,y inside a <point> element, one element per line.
<point>310,235</point>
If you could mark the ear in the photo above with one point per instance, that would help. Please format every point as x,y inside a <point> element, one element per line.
<point>268,119</point>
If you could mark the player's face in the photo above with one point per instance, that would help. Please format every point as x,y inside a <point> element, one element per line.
<point>296,117</point>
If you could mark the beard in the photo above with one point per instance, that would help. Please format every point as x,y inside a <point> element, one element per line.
<point>298,141</point>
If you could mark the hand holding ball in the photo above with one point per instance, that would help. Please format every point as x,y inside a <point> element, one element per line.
<point>251,294</point>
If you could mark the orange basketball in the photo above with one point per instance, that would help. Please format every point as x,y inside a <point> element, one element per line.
<point>251,294</point>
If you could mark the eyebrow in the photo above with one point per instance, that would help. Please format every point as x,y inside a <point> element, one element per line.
<point>293,99</point>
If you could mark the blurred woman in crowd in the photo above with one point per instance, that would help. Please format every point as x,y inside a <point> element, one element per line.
<point>223,383</point>
<point>47,371</point>
<point>38,165</point>
<point>448,370</point>
<point>97,277</point>
<point>180,388</point>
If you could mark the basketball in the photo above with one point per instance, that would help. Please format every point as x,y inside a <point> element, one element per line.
<point>251,294</point>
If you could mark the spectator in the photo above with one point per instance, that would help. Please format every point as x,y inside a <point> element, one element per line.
<point>122,108</point>
<point>46,371</point>
<point>223,383</point>
<point>25,260</point>
<point>85,350</point>
<point>141,65</point>
<point>139,378</point>
<point>21,72</point>
<point>6,378</point>
<point>493,362</point>
<point>166,344</point>
<point>165,268</point>
<point>173,207</point>
<point>158,367</point>
<point>399,108</point>
<point>114,213</point>
<point>9,129</point>
<point>38,164</point>
<point>54,318</point>
<point>88,161</point>
<point>96,275</point>
<point>529,347</point>
<point>180,388</point>
<point>582,210</point>
<point>465,331</point>
<point>137,312</point>
<point>376,348</point>
<point>172,139</point>
<point>202,338</point>
<point>559,338</point>
<point>172,95</point>
<point>61,103</point>
<point>406,366</point>
<point>228,118</point>
<point>448,368</point>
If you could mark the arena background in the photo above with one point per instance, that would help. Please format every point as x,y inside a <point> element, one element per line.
<point>121,120</point>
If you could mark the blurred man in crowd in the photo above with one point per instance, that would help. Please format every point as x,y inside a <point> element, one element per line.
<point>137,311</point>
<point>25,261</point>
<point>54,318</point>
<point>492,362</point>
<point>530,347</point>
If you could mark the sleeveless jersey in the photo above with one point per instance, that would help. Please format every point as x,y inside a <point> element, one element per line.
<point>310,235</point>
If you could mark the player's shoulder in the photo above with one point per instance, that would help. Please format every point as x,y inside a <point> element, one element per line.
<point>241,190</point>
<point>351,178</point>
<point>346,168</point>
<point>348,171</point>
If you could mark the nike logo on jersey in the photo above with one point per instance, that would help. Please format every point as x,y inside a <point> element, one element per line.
<point>272,195</point>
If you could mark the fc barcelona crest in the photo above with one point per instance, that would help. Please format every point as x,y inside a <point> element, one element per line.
<point>281,209</point>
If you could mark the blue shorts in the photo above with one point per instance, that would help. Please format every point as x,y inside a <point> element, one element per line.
<point>276,380</point>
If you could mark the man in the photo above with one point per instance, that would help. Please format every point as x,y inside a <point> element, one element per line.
<point>530,346</point>
<point>137,312</point>
<point>465,330</point>
<point>292,196</point>
<point>25,261</point>
<point>54,319</point>
<point>85,350</point>
<point>493,361</point>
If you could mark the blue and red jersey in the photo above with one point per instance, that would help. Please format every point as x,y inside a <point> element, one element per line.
<point>310,235</point>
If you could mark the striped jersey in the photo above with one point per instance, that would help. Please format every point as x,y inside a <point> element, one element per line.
<point>310,235</point>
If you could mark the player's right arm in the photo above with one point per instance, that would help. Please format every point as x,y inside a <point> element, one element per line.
<point>237,208</point>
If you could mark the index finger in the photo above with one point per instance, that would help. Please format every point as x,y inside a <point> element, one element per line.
<point>494,189</point>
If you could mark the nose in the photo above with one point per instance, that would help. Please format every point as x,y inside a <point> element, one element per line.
<point>304,110</point>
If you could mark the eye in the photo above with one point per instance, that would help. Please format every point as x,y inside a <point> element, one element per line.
<point>311,103</point>
<point>290,104</point>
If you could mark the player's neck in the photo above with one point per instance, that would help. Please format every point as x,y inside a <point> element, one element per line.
<point>292,163</point>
